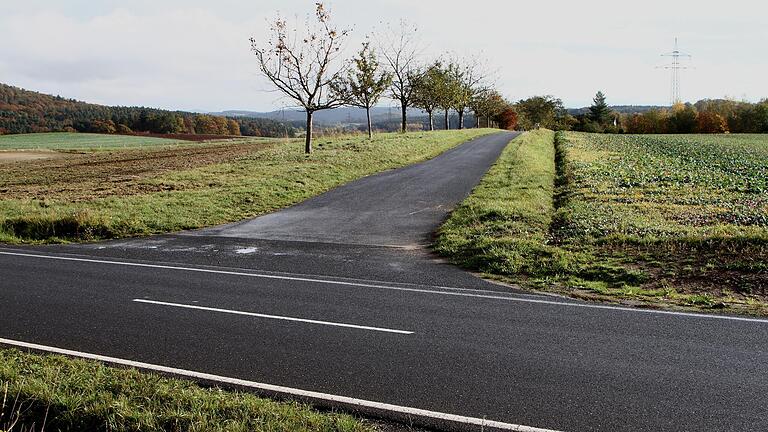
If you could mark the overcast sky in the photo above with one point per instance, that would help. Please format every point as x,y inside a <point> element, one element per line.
<point>194,54</point>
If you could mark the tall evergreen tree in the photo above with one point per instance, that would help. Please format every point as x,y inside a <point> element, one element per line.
<point>599,111</point>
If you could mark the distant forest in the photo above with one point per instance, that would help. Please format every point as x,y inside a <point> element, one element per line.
<point>24,111</point>
<point>705,116</point>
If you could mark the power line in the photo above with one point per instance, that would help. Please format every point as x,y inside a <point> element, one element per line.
<point>676,66</point>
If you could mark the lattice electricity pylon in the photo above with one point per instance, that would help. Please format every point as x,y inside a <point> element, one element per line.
<point>675,67</point>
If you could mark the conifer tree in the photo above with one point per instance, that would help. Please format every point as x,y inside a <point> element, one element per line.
<point>599,112</point>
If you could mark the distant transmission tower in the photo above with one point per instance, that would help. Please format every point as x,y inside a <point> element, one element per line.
<point>676,67</point>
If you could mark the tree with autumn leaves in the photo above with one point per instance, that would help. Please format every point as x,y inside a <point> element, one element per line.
<point>365,83</point>
<point>706,116</point>
<point>490,106</point>
<point>305,64</point>
<point>428,90</point>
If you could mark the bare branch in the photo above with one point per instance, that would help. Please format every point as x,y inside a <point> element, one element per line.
<point>401,49</point>
<point>302,63</point>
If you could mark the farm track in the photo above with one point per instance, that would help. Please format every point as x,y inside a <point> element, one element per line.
<point>84,176</point>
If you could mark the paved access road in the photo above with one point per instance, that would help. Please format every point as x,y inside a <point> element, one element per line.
<point>395,208</point>
<point>374,316</point>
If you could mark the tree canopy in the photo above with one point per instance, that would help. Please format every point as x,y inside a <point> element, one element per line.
<point>429,90</point>
<point>303,63</point>
<point>365,83</point>
<point>599,112</point>
<point>542,112</point>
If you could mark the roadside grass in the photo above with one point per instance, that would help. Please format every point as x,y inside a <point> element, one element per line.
<point>47,392</point>
<point>80,141</point>
<point>265,178</point>
<point>503,226</point>
<point>658,220</point>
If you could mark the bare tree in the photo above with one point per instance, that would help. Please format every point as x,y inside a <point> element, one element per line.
<point>400,47</point>
<point>302,64</point>
<point>470,75</point>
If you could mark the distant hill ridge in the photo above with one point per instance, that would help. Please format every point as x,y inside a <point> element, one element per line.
<point>621,109</point>
<point>349,115</point>
<point>25,111</point>
<point>338,116</point>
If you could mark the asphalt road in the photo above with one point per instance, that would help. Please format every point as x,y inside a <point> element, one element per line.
<point>322,312</point>
<point>395,208</point>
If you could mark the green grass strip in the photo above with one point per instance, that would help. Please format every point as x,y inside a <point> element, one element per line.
<point>74,395</point>
<point>502,227</point>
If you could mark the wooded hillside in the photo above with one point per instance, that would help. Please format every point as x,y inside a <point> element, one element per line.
<point>24,111</point>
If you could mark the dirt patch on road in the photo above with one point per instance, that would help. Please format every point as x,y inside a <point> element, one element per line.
<point>23,156</point>
<point>85,176</point>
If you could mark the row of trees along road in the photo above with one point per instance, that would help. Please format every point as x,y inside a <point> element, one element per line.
<point>306,66</point>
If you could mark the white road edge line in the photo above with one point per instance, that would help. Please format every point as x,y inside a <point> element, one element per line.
<point>279,389</point>
<point>343,280</point>
<point>275,317</point>
<point>393,288</point>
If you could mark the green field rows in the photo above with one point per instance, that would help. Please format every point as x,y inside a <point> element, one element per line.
<point>658,188</point>
<point>664,219</point>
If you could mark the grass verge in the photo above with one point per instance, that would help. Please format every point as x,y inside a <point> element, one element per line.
<point>663,221</point>
<point>93,202</point>
<point>46,392</point>
<point>502,228</point>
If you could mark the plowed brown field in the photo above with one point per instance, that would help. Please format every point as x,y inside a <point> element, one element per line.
<point>83,176</point>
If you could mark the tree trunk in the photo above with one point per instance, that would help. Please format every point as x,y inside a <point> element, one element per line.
<point>308,141</point>
<point>370,128</point>
<point>477,121</point>
<point>447,120</point>
<point>431,121</point>
<point>461,120</point>
<point>404,109</point>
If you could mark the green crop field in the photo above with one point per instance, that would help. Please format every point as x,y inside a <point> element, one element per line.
<point>662,219</point>
<point>665,188</point>
<point>79,141</point>
<point>670,214</point>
